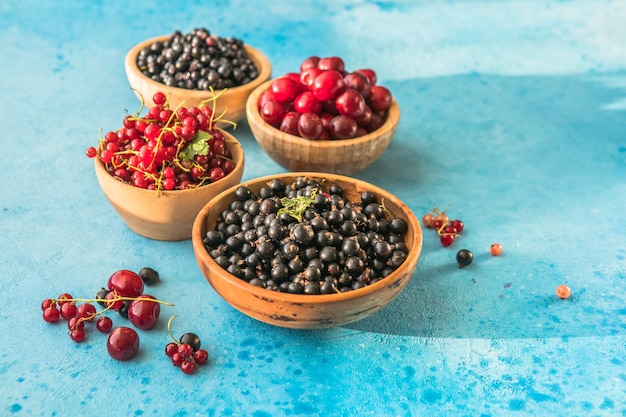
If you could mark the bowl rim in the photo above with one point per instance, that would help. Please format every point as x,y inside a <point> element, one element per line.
<point>413,255</point>
<point>230,140</point>
<point>254,118</point>
<point>130,62</point>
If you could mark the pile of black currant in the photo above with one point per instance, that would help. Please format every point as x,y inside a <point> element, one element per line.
<point>197,61</point>
<point>305,237</point>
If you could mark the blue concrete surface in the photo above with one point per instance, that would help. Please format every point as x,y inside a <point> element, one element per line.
<point>513,115</point>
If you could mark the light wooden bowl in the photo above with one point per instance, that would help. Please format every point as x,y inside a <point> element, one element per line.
<point>299,310</point>
<point>344,157</point>
<point>231,100</point>
<point>168,215</point>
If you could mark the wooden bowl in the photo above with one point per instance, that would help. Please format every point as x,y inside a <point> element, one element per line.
<point>344,157</point>
<point>303,311</point>
<point>168,215</point>
<point>231,100</point>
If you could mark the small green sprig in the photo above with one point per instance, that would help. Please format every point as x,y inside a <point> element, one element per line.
<point>296,206</point>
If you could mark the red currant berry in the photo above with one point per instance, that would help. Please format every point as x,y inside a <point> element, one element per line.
<point>159,98</point>
<point>51,314</point>
<point>104,324</point>
<point>86,311</point>
<point>446,240</point>
<point>188,367</point>
<point>68,310</point>
<point>77,335</point>
<point>458,225</point>
<point>185,350</point>
<point>170,349</point>
<point>91,152</point>
<point>46,303</point>
<point>177,359</point>
<point>123,343</point>
<point>64,298</point>
<point>428,220</point>
<point>201,356</point>
<point>496,249</point>
<point>113,301</point>
<point>76,323</point>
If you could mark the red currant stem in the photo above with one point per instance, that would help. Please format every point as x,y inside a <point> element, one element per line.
<point>440,231</point>
<point>112,300</point>
<point>169,329</point>
<point>143,102</point>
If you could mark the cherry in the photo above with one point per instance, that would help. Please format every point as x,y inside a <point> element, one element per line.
<point>310,126</point>
<point>342,127</point>
<point>307,76</point>
<point>272,112</point>
<point>289,124</point>
<point>370,74</point>
<point>306,102</point>
<point>350,103</point>
<point>123,343</point>
<point>327,85</point>
<point>144,314</point>
<point>359,82</point>
<point>379,99</point>
<point>285,88</point>
<point>310,62</point>
<point>331,63</point>
<point>126,283</point>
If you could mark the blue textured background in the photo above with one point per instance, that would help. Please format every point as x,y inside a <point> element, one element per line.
<point>513,115</point>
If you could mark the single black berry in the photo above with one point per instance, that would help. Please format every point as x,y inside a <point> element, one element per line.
<point>149,275</point>
<point>191,339</point>
<point>464,257</point>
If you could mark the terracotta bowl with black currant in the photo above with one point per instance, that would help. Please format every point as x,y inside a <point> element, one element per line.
<point>191,68</point>
<point>307,250</point>
<point>323,118</point>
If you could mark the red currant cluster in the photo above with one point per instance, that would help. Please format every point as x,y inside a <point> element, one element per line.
<point>167,149</point>
<point>186,353</point>
<point>124,295</point>
<point>324,101</point>
<point>447,230</point>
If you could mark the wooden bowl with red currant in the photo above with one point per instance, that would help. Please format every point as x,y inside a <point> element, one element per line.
<point>196,66</point>
<point>160,168</point>
<point>307,250</point>
<point>324,118</point>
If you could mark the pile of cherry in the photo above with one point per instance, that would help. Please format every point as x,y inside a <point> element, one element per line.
<point>325,101</point>
<point>167,149</point>
<point>125,295</point>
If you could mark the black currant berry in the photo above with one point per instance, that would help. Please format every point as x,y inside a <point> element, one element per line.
<point>464,257</point>
<point>101,295</point>
<point>191,339</point>
<point>149,275</point>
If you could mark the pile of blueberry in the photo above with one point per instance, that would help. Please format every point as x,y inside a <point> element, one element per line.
<point>303,238</point>
<point>197,61</point>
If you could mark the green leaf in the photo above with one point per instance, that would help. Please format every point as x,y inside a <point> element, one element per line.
<point>199,145</point>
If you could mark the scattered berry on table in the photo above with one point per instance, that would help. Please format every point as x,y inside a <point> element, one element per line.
<point>496,249</point>
<point>464,257</point>
<point>563,291</point>
<point>123,343</point>
<point>149,275</point>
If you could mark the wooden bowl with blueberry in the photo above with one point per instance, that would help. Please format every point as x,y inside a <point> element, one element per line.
<point>307,250</point>
<point>323,118</point>
<point>195,67</point>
